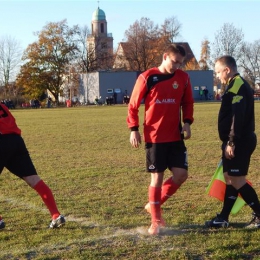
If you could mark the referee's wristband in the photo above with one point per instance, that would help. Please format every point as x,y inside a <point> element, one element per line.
<point>230,143</point>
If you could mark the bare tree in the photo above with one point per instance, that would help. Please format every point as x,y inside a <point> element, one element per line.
<point>170,29</point>
<point>82,58</point>
<point>228,41</point>
<point>10,59</point>
<point>143,43</point>
<point>250,62</point>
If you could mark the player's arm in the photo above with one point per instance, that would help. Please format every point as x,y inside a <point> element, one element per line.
<point>239,103</point>
<point>236,128</point>
<point>187,110</point>
<point>133,110</point>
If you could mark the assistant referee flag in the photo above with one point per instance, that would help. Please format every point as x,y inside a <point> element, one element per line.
<point>217,188</point>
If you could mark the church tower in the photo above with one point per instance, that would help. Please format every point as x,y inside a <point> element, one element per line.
<point>100,43</point>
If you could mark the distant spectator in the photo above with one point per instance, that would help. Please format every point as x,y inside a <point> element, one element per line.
<point>49,102</point>
<point>115,98</point>
<point>11,104</point>
<point>36,103</point>
<point>201,93</point>
<point>96,101</point>
<point>126,100</point>
<point>32,103</point>
<point>206,92</point>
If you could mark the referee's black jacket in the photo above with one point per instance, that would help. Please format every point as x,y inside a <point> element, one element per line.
<point>237,101</point>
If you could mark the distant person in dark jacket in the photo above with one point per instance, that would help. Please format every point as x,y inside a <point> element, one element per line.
<point>206,93</point>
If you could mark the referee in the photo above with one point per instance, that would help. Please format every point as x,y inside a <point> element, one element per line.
<point>236,126</point>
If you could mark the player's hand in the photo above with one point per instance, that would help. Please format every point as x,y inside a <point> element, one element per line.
<point>135,139</point>
<point>186,131</point>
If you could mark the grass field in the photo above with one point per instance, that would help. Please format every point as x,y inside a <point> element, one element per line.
<point>100,185</point>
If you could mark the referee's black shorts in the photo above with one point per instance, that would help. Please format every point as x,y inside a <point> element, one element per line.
<point>160,156</point>
<point>15,156</point>
<point>238,166</point>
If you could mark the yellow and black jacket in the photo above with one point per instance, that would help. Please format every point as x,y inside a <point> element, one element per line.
<point>237,102</point>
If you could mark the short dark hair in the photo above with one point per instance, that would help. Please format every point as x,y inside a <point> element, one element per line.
<point>175,48</point>
<point>228,60</point>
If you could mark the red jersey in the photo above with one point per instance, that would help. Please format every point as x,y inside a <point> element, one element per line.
<point>7,122</point>
<point>167,97</point>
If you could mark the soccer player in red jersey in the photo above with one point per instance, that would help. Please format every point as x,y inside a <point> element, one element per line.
<point>168,99</point>
<point>15,157</point>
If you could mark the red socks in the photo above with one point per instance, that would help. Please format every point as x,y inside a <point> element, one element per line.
<point>158,195</point>
<point>168,189</point>
<point>155,204</point>
<point>47,197</point>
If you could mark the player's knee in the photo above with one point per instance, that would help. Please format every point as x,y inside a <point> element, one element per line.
<point>32,180</point>
<point>180,178</point>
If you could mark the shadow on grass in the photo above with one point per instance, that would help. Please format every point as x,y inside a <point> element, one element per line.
<point>195,228</point>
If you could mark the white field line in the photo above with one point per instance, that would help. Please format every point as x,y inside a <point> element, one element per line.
<point>22,204</point>
<point>65,245</point>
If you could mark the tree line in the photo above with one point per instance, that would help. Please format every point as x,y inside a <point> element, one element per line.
<point>54,61</point>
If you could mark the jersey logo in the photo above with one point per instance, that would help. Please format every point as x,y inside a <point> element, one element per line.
<point>151,167</point>
<point>232,197</point>
<point>215,222</point>
<point>175,85</point>
<point>165,101</point>
<point>237,99</point>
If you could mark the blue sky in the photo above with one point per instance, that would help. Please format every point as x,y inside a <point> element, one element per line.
<point>199,19</point>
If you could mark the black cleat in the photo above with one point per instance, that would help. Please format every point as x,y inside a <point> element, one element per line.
<point>217,222</point>
<point>255,222</point>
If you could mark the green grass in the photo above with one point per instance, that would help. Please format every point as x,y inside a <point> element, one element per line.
<point>100,185</point>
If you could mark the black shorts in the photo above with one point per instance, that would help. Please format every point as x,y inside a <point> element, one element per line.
<point>238,166</point>
<point>15,156</point>
<point>160,156</point>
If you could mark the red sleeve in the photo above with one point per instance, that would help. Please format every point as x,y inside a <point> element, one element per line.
<point>188,104</point>
<point>138,94</point>
<point>7,122</point>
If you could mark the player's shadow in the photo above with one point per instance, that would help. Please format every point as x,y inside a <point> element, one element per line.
<point>183,229</point>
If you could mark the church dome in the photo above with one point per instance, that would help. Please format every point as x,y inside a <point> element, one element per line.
<point>98,15</point>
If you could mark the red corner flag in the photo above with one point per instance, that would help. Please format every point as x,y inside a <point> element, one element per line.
<point>217,189</point>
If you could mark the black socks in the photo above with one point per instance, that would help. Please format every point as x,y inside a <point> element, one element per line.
<point>229,201</point>
<point>249,195</point>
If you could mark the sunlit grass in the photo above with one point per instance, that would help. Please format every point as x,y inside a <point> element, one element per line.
<point>100,185</point>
